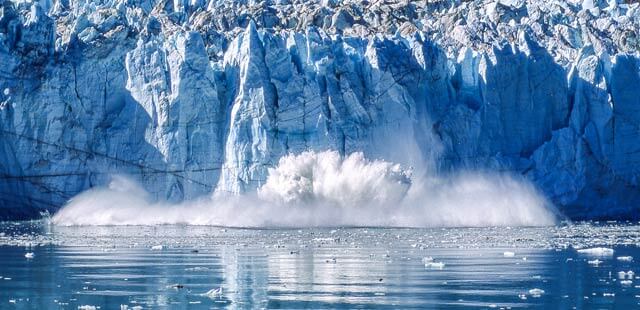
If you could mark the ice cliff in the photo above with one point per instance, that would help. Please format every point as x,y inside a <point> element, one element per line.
<point>196,97</point>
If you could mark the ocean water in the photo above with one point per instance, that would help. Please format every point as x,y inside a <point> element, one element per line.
<point>43,266</point>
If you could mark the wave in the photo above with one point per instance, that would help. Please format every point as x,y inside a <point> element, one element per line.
<point>326,189</point>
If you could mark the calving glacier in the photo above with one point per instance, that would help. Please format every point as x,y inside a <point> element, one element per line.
<point>196,99</point>
<point>327,190</point>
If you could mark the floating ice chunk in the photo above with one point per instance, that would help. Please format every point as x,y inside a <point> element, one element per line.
<point>536,292</point>
<point>625,258</point>
<point>29,255</point>
<point>626,282</point>
<point>213,293</point>
<point>87,307</point>
<point>509,254</point>
<point>596,262</point>
<point>157,248</point>
<point>12,301</point>
<point>597,251</point>
<point>197,268</point>
<point>626,275</point>
<point>176,286</point>
<point>427,259</point>
<point>434,265</point>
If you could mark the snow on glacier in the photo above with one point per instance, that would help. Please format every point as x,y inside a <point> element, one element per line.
<point>191,99</point>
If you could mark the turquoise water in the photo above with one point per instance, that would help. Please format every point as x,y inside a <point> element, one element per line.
<point>173,267</point>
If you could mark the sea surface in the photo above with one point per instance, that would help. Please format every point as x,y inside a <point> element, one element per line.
<point>581,265</point>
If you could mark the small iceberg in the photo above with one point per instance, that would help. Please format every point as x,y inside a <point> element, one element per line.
<point>29,255</point>
<point>434,265</point>
<point>431,263</point>
<point>626,275</point>
<point>536,292</point>
<point>597,251</point>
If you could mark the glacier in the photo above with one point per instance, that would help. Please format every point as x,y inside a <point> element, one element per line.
<point>201,97</point>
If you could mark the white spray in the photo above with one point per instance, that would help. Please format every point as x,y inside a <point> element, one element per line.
<point>326,189</point>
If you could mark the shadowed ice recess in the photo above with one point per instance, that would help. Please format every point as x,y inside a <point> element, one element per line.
<point>326,189</point>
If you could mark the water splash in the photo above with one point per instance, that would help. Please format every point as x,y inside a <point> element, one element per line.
<point>326,189</point>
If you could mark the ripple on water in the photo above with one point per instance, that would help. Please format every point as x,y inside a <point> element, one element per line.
<point>177,266</point>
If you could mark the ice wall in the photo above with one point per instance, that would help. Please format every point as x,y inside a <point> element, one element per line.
<point>197,97</point>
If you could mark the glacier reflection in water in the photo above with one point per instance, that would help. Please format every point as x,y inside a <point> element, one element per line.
<point>176,266</point>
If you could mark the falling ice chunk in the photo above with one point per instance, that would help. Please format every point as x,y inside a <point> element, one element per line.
<point>29,255</point>
<point>597,251</point>
<point>536,292</point>
<point>509,254</point>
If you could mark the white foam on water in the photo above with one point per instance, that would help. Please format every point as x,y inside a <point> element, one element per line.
<point>328,190</point>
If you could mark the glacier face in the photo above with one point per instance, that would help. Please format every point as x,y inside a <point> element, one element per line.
<point>196,97</point>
